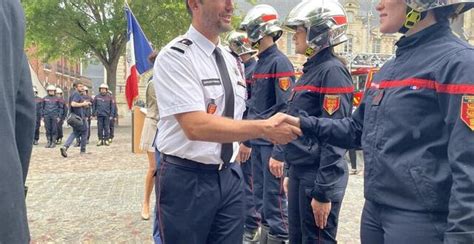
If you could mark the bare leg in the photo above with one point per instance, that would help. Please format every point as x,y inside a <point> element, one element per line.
<point>149,183</point>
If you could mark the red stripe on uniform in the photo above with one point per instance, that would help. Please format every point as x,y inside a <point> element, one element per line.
<point>427,84</point>
<point>325,89</point>
<point>274,75</point>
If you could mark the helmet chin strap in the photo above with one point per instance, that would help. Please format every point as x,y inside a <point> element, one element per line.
<point>309,52</point>
<point>412,18</point>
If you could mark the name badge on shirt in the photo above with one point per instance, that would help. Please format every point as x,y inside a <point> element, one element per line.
<point>211,82</point>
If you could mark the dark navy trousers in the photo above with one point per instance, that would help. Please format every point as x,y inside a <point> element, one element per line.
<point>200,206</point>
<point>37,127</point>
<point>112,128</point>
<point>103,127</point>
<point>303,228</point>
<point>252,218</point>
<point>270,199</point>
<point>51,125</point>
<point>382,224</point>
<point>60,129</point>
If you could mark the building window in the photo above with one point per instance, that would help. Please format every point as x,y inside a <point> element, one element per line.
<point>290,48</point>
<point>348,45</point>
<point>377,45</point>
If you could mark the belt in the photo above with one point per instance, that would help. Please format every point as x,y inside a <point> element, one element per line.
<point>193,164</point>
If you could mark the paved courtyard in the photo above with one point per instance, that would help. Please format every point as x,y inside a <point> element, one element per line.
<point>97,198</point>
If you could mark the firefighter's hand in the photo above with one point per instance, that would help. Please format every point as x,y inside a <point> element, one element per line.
<point>321,212</point>
<point>244,153</point>
<point>276,167</point>
<point>279,131</point>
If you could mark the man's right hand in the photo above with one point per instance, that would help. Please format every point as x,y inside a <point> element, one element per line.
<point>282,128</point>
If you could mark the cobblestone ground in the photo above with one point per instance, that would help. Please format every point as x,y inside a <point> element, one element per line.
<point>97,198</point>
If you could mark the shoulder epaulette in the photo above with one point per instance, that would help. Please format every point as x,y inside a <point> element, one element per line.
<point>182,45</point>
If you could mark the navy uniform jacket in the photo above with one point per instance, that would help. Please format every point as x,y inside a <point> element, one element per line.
<point>51,106</point>
<point>325,91</point>
<point>63,108</point>
<point>271,86</point>
<point>17,123</point>
<point>416,127</point>
<point>102,105</point>
<point>38,104</point>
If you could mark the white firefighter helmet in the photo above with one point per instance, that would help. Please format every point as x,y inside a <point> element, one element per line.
<point>239,43</point>
<point>325,22</point>
<point>51,88</point>
<point>59,91</point>
<point>261,21</point>
<point>104,86</point>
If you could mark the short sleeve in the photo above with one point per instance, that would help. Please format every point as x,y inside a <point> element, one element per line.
<point>177,87</point>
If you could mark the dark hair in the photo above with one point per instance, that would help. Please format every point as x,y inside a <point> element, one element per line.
<point>445,13</point>
<point>152,57</point>
<point>77,83</point>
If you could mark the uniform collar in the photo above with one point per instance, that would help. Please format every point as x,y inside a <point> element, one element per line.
<point>273,48</point>
<point>250,62</point>
<point>430,33</point>
<point>320,57</point>
<point>202,42</point>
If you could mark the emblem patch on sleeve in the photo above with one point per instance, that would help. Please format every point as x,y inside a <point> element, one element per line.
<point>331,103</point>
<point>467,111</point>
<point>284,83</point>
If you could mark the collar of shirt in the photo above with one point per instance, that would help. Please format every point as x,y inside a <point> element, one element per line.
<point>202,42</point>
<point>406,43</point>
<point>250,62</point>
<point>268,51</point>
<point>320,57</point>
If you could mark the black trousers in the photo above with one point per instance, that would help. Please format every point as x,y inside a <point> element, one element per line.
<point>303,228</point>
<point>112,128</point>
<point>197,206</point>
<point>60,129</point>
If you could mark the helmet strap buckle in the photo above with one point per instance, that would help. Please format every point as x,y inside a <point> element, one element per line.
<point>413,17</point>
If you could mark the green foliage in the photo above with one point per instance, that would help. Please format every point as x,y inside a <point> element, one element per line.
<point>78,28</point>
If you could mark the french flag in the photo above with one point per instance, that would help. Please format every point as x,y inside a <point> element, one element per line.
<point>138,50</point>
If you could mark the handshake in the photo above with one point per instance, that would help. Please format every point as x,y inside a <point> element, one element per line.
<point>282,128</point>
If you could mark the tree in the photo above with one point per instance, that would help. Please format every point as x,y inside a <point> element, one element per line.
<point>80,28</point>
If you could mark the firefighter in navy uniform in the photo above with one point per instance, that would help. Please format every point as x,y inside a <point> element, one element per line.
<point>416,127</point>
<point>271,82</point>
<point>113,118</point>
<point>102,107</point>
<point>240,47</point>
<point>317,172</point>
<point>51,111</point>
<point>38,102</point>
<point>62,115</point>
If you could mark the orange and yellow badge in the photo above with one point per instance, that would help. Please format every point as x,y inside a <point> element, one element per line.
<point>212,107</point>
<point>331,103</point>
<point>467,111</point>
<point>284,83</point>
